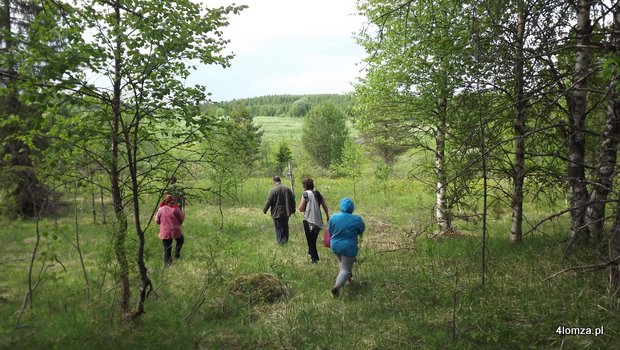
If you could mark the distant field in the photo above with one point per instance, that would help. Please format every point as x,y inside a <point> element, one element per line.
<point>279,128</point>
<point>288,129</point>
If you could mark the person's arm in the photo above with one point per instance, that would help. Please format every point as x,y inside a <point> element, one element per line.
<point>361,226</point>
<point>330,228</point>
<point>324,204</point>
<point>268,203</point>
<point>179,214</point>
<point>158,217</point>
<point>302,204</point>
<point>291,202</point>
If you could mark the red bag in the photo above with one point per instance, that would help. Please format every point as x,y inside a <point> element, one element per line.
<point>326,237</point>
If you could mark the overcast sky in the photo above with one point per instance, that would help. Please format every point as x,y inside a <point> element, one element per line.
<point>287,47</point>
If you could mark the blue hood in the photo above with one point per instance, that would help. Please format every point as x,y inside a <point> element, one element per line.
<point>346,205</point>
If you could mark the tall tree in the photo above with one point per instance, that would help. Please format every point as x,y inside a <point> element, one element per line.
<point>324,132</point>
<point>577,118</point>
<point>147,117</point>
<point>413,65</point>
<point>607,159</point>
<point>511,39</point>
<point>26,27</point>
<point>605,169</point>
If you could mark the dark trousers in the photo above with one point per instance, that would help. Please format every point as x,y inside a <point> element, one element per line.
<point>311,237</point>
<point>281,225</point>
<point>168,249</point>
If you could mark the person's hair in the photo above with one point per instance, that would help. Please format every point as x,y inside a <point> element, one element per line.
<point>168,199</point>
<point>307,183</point>
<point>276,179</point>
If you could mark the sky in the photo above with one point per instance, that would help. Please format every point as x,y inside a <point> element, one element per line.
<point>287,47</point>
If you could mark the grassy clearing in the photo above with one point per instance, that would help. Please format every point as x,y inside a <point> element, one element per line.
<point>279,128</point>
<point>409,291</point>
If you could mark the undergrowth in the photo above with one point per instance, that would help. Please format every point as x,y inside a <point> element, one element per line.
<point>408,290</point>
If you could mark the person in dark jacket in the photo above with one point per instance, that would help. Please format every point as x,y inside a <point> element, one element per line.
<point>281,201</point>
<point>345,228</point>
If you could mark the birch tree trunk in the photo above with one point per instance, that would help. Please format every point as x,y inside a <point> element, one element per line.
<point>577,142</point>
<point>442,212</point>
<point>601,188</point>
<point>516,230</point>
<point>607,163</point>
<point>614,254</point>
<point>291,177</point>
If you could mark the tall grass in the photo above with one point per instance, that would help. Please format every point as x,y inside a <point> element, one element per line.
<point>408,291</point>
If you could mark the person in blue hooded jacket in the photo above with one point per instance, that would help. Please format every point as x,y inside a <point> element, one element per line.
<point>344,229</point>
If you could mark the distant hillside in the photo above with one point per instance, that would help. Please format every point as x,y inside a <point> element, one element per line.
<point>290,105</point>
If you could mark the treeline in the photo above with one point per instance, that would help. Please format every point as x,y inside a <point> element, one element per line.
<point>289,105</point>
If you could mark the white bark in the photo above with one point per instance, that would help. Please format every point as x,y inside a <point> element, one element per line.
<point>516,230</point>
<point>576,168</point>
<point>441,210</point>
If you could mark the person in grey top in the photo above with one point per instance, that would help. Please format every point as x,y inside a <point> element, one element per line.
<point>282,204</point>
<point>310,205</point>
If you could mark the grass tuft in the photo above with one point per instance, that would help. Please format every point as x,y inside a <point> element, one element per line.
<point>259,288</point>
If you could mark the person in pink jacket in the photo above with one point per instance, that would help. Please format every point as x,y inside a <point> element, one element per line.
<point>170,218</point>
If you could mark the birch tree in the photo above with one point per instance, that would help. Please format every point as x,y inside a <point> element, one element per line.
<point>577,119</point>
<point>414,60</point>
<point>144,49</point>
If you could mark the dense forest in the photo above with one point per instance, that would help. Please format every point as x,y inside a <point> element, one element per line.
<point>289,105</point>
<point>480,147</point>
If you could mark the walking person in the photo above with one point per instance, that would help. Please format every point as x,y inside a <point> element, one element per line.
<point>281,201</point>
<point>310,205</point>
<point>344,228</point>
<point>170,218</point>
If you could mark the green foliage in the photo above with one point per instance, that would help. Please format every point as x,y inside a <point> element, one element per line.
<point>382,175</point>
<point>299,108</point>
<point>351,162</point>
<point>291,105</point>
<point>283,156</point>
<point>36,53</point>
<point>324,133</point>
<point>228,153</point>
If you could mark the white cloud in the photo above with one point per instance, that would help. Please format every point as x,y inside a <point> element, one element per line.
<point>287,47</point>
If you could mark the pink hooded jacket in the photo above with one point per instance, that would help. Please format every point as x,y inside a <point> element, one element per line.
<point>170,218</point>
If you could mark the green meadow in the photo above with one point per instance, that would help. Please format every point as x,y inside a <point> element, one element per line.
<point>277,129</point>
<point>410,290</point>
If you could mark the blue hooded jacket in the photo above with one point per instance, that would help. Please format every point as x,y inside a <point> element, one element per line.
<point>344,227</point>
